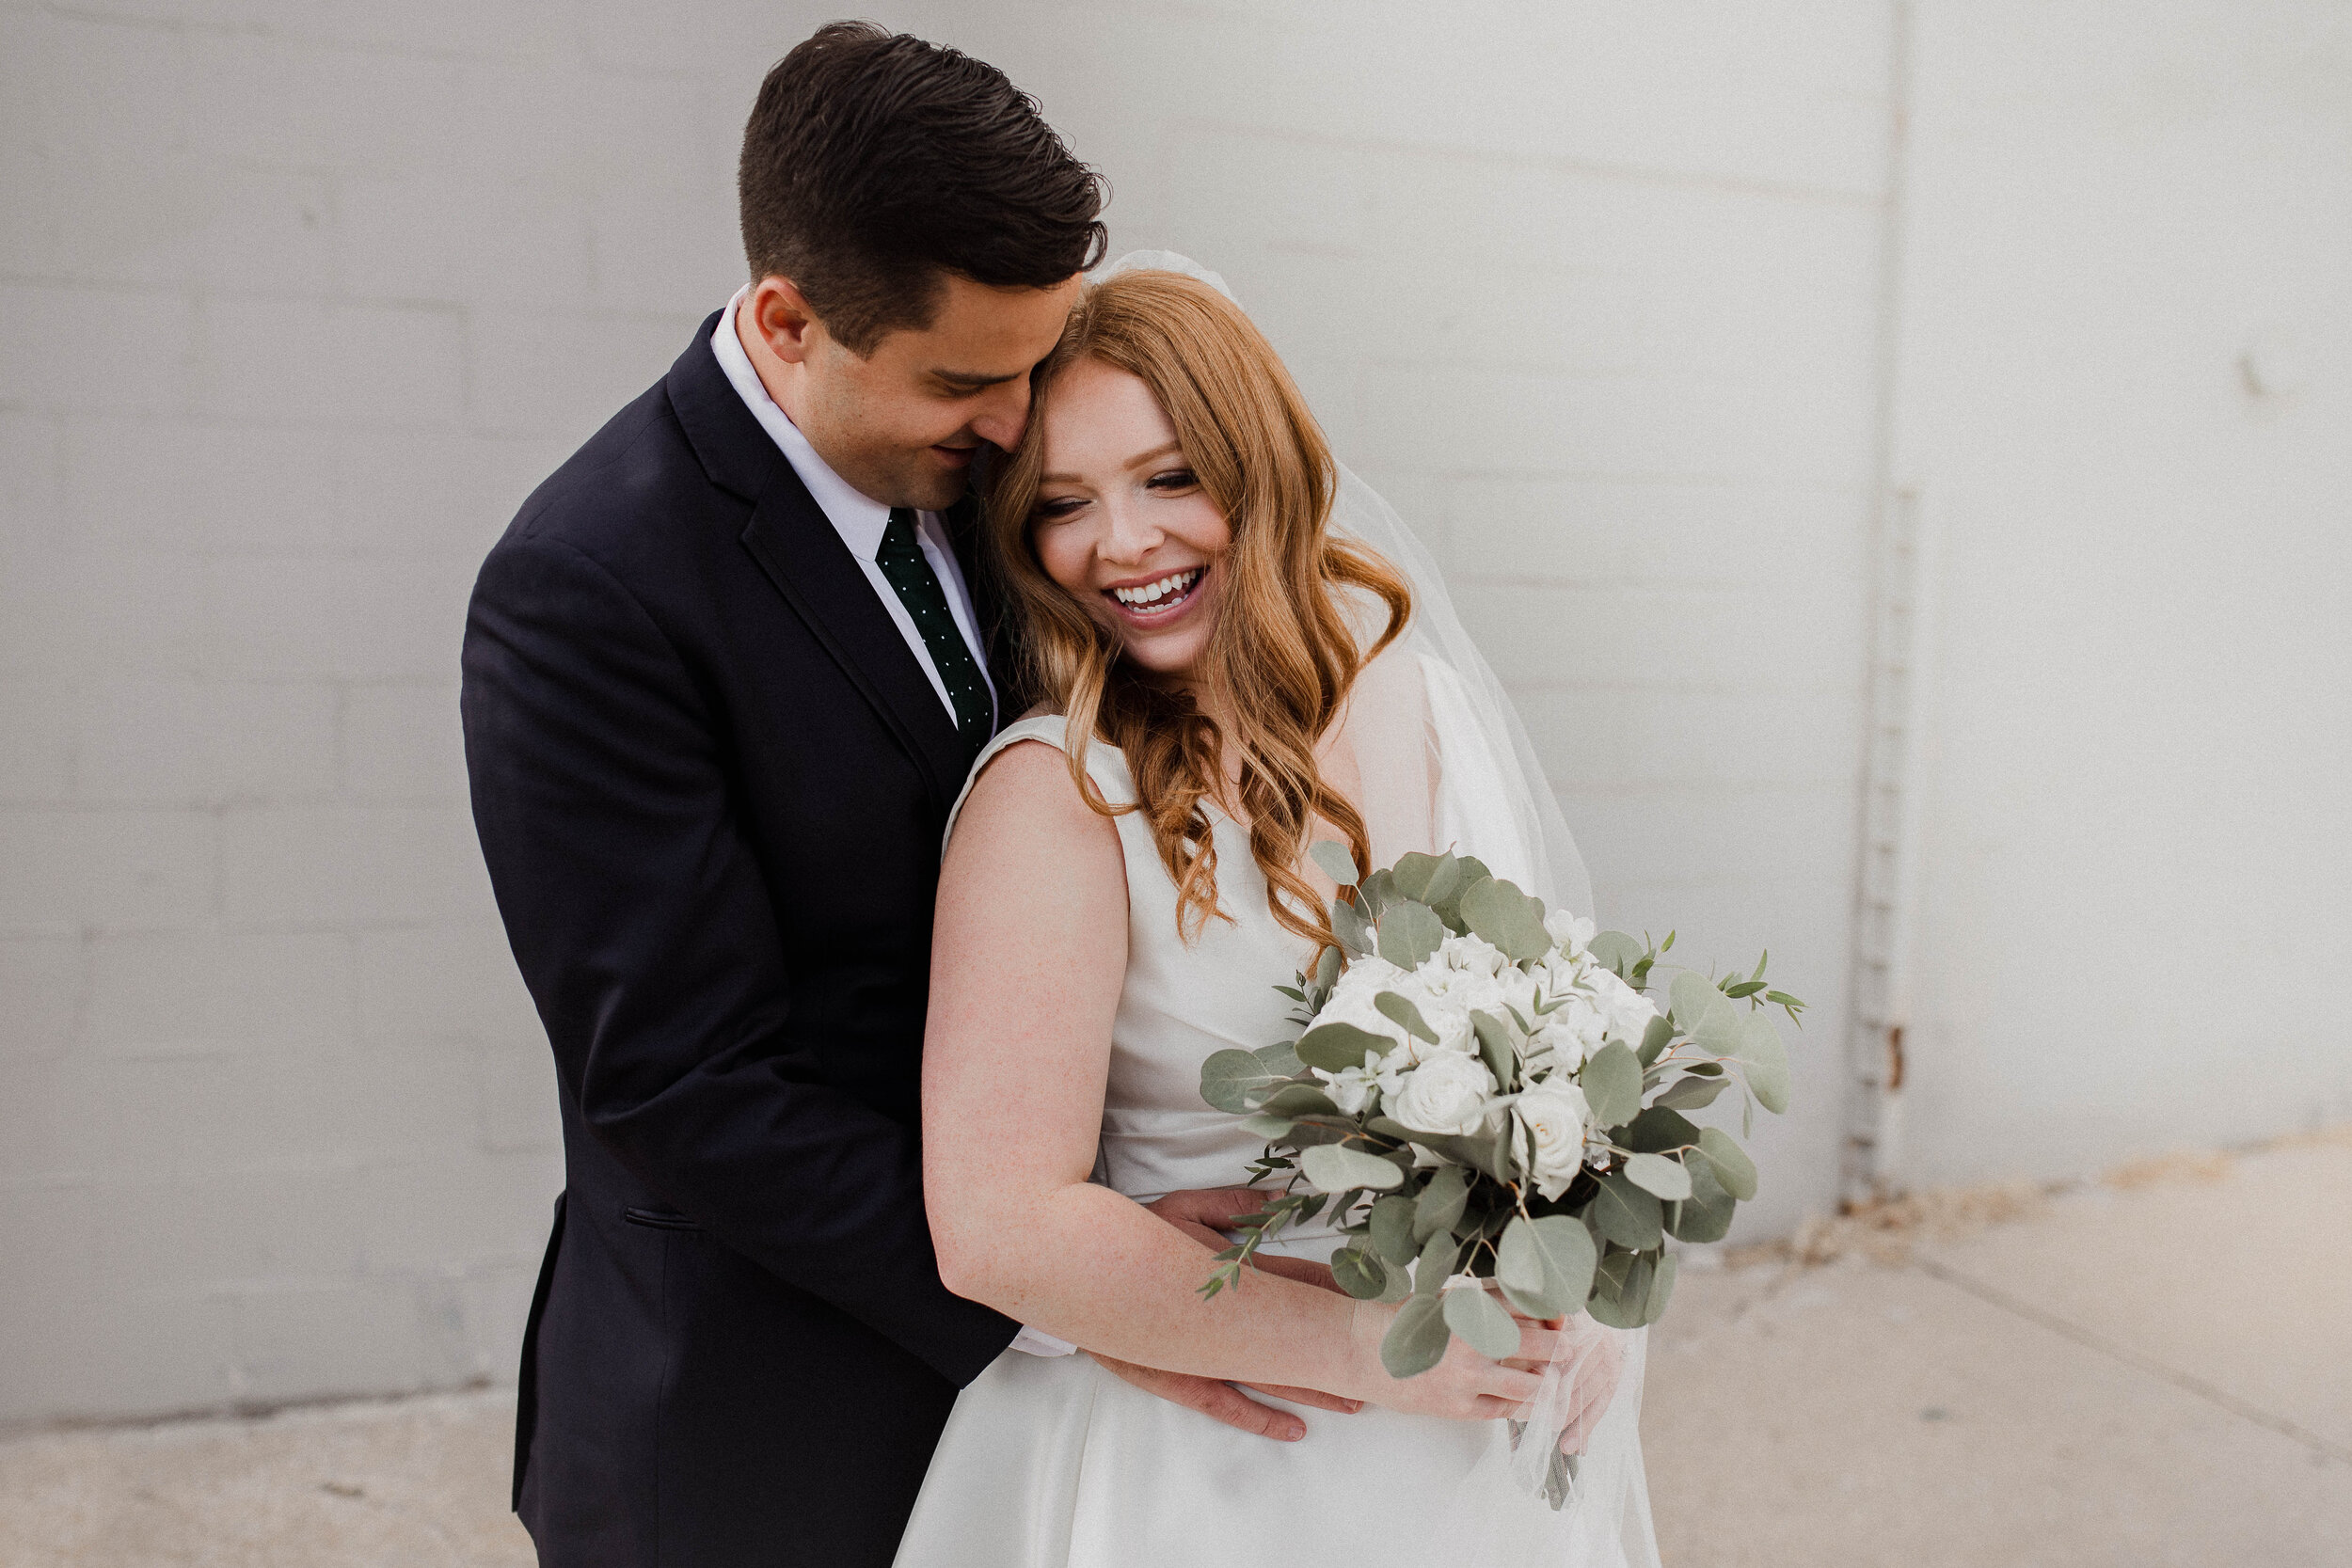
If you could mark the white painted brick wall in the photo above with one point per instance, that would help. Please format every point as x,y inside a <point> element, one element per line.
<point>298,298</point>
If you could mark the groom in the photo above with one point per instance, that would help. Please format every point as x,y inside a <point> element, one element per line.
<point>723,677</point>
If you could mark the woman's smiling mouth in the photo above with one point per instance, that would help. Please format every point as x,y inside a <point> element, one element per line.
<point>1158,598</point>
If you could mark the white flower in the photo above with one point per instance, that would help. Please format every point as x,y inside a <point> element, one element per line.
<point>1573,933</point>
<point>1628,1012</point>
<point>1446,1094</point>
<point>1555,1113</point>
<point>1354,1005</point>
<point>1351,1088</point>
<point>1574,1029</point>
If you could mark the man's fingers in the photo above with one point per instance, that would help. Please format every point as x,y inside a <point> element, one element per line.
<point>1215,1207</point>
<point>1314,1397</point>
<point>1306,1271</point>
<point>1219,1401</point>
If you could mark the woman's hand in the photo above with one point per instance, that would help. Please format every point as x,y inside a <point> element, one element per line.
<point>1595,1360</point>
<point>1464,1386</point>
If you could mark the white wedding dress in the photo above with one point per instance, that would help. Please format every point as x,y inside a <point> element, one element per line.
<point>1055,1463</point>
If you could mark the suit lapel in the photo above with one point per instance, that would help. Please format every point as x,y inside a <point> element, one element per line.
<point>796,547</point>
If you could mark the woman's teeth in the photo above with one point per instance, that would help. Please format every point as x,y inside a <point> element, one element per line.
<point>1160,595</point>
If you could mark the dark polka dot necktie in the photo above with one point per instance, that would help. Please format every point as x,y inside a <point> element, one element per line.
<point>901,561</point>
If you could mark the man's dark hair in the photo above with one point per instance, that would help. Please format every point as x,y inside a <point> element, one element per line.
<point>875,162</point>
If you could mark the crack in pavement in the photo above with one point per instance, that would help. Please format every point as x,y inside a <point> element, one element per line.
<point>2187,1382</point>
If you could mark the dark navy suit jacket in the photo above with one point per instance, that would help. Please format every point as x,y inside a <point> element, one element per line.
<point>710,780</point>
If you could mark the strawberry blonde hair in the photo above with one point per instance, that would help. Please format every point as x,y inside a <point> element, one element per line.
<point>1283,654</point>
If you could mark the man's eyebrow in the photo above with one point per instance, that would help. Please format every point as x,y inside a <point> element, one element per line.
<point>974,378</point>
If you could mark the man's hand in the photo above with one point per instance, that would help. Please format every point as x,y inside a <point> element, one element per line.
<point>1200,1214</point>
<point>1225,1402</point>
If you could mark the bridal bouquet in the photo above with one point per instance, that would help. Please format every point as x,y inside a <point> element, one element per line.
<point>1483,1094</point>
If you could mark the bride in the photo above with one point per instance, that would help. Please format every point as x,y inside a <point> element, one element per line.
<point>1238,651</point>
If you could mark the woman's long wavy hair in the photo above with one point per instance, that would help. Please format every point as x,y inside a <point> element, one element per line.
<point>1283,654</point>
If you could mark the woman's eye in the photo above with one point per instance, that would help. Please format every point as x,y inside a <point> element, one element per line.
<point>1174,479</point>
<point>1058,508</point>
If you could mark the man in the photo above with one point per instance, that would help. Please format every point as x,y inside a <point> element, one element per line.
<point>723,677</point>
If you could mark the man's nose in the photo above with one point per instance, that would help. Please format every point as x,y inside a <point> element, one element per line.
<point>1004,413</point>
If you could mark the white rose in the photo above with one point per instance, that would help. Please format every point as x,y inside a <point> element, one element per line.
<point>1351,1088</point>
<point>1627,1011</point>
<point>1571,932</point>
<point>1553,1114</point>
<point>1354,1005</point>
<point>1446,1094</point>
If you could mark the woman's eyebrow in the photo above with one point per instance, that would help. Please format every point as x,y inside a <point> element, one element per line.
<point>1135,462</point>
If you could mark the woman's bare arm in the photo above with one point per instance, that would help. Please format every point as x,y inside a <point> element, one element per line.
<point>1028,957</point>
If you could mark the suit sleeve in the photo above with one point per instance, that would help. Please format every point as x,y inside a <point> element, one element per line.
<point>642,925</point>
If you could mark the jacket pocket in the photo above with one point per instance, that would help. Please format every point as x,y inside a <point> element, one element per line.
<point>659,1219</point>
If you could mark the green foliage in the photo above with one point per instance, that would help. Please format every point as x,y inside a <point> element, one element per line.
<point>1764,1061</point>
<point>1336,861</point>
<point>1416,1342</point>
<point>1506,917</point>
<point>1662,1176</point>
<point>1482,1323</point>
<point>1400,1011</point>
<point>1235,1081</point>
<point>1624,1213</point>
<point>1545,1266</point>
<point>1359,1273</point>
<point>1409,933</point>
<point>1613,1084</point>
<point>1498,1046</point>
<point>1617,951</point>
<point>1349,924</point>
<point>1335,1168</point>
<point>1392,1230</point>
<point>1440,1204</point>
<point>1733,1168</point>
<point>1334,1046</point>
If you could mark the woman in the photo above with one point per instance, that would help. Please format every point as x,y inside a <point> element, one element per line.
<point>1224,680</point>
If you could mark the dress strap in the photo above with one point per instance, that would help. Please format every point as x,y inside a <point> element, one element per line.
<point>1106,766</point>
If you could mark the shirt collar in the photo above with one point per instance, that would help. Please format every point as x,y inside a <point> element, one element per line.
<point>856,516</point>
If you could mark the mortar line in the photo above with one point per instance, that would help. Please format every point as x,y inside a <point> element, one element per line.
<point>2187,1382</point>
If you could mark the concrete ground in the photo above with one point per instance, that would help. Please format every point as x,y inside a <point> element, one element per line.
<point>2151,1370</point>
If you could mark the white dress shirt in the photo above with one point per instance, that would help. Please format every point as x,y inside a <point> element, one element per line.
<point>861,520</point>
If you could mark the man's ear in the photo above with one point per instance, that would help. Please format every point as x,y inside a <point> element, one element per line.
<point>783,319</point>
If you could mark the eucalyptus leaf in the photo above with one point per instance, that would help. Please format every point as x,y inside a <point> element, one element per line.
<point>1336,1046</point>
<point>1435,1265</point>
<point>1498,1046</point>
<point>1230,1080</point>
<point>1397,1287</point>
<point>1659,1128</point>
<point>1359,1272</point>
<point>1615,950</point>
<point>1765,1059</point>
<point>1282,1060</point>
<point>1624,1214</point>
<point>1706,1214</point>
<point>1440,1203</point>
<point>1336,861</point>
<point>1482,1323</point>
<point>1612,1080</point>
<point>1412,872</point>
<point>1717,1031</point>
<point>1327,964</point>
<point>1509,919</point>
<point>1691,1094</point>
<point>1417,1341</point>
<point>1622,1296</point>
<point>1299,1100</point>
<point>1446,882</point>
<point>1658,1175</point>
<point>1657,1038</point>
<point>1558,1252</point>
<point>1661,1286</point>
<point>1689,997</point>
<point>1349,924</point>
<point>1334,1169</point>
<point>1392,1230</point>
<point>1409,933</point>
<point>1270,1129</point>
<point>1733,1167</point>
<point>1400,1011</point>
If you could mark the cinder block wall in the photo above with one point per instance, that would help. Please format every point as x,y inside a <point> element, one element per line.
<point>299,298</point>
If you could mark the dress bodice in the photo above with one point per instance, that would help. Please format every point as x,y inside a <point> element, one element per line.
<point>1182,1001</point>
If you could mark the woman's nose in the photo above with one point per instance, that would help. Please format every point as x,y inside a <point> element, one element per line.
<point>1129,535</point>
